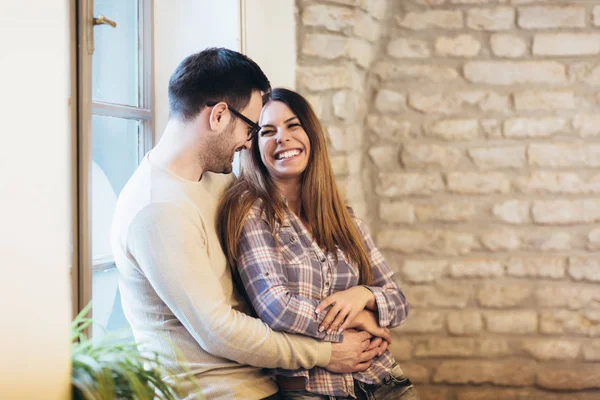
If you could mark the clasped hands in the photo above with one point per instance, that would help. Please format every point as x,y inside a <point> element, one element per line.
<point>350,310</point>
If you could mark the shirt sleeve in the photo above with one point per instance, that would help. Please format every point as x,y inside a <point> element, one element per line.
<point>391,303</point>
<point>261,269</point>
<point>170,248</point>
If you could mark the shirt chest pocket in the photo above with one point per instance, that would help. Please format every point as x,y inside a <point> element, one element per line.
<point>291,249</point>
<point>302,279</point>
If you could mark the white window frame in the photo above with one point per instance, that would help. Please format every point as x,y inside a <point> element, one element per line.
<point>82,276</point>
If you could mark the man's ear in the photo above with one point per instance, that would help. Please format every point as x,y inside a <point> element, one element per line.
<point>218,119</point>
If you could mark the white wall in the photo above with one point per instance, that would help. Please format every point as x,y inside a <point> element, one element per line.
<point>183,27</point>
<point>35,200</point>
<point>270,39</point>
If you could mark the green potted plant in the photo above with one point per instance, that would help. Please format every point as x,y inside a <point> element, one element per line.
<point>109,369</point>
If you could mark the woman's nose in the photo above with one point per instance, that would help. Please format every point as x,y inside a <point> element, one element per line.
<point>283,136</point>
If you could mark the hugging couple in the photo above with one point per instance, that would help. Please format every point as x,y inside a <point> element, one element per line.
<point>261,287</point>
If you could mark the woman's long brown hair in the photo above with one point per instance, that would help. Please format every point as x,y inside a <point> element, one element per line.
<point>322,205</point>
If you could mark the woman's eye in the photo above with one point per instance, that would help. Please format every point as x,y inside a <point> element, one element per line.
<point>290,126</point>
<point>265,133</point>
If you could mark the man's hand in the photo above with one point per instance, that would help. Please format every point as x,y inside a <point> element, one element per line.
<point>352,355</point>
<point>367,321</point>
<point>379,344</point>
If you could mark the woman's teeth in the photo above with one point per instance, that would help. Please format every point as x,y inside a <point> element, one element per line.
<point>287,154</point>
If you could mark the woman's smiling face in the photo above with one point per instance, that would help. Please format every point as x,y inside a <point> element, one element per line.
<point>283,144</point>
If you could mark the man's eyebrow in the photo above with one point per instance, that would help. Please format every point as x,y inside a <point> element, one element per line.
<point>286,121</point>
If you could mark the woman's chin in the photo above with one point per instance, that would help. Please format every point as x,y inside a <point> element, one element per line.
<point>287,174</point>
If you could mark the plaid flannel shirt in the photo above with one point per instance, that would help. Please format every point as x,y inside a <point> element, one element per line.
<point>286,278</point>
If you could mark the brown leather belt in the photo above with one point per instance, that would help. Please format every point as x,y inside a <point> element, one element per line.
<point>290,382</point>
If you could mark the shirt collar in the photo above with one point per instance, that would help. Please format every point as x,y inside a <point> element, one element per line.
<point>287,218</point>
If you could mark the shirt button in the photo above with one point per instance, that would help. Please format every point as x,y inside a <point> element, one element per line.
<point>327,284</point>
<point>293,239</point>
<point>323,259</point>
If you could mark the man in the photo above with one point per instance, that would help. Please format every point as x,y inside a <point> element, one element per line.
<point>176,288</point>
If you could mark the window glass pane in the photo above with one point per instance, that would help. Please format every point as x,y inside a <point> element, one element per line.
<point>115,60</point>
<point>115,149</point>
<point>115,158</point>
<point>106,305</point>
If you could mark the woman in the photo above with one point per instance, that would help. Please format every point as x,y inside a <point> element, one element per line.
<point>308,265</point>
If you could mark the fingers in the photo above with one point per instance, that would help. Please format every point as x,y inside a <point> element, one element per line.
<point>362,366</point>
<point>351,316</point>
<point>366,344</point>
<point>331,314</point>
<point>325,303</point>
<point>383,347</point>
<point>381,332</point>
<point>385,334</point>
<point>376,342</point>
<point>368,355</point>
<point>339,319</point>
<point>364,335</point>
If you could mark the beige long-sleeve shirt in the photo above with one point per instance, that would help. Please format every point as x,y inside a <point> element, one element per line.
<point>178,294</point>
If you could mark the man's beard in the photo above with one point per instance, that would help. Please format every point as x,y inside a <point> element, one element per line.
<point>227,168</point>
<point>221,153</point>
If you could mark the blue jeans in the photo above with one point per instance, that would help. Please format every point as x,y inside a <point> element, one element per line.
<point>395,386</point>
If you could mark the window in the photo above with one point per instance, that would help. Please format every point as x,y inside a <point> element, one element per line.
<point>115,133</point>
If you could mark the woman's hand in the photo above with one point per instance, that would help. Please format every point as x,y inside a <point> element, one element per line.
<point>367,321</point>
<point>345,306</point>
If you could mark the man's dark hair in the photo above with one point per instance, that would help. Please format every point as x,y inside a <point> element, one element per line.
<point>214,75</point>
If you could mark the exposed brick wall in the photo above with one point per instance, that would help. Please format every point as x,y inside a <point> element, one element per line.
<point>467,133</point>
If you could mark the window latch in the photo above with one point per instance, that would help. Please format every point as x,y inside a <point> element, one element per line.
<point>102,20</point>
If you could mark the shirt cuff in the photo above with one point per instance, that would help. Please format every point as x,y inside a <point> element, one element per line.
<point>334,337</point>
<point>385,317</point>
<point>323,354</point>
